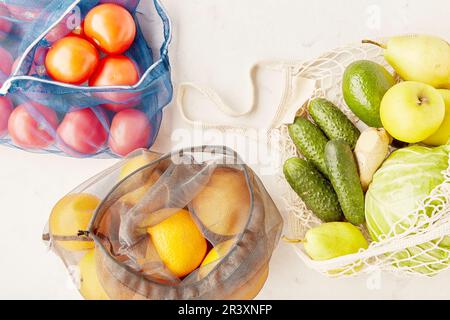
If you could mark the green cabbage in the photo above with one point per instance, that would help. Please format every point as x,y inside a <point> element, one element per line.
<point>407,177</point>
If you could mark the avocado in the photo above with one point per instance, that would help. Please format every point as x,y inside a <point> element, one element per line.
<point>364,86</point>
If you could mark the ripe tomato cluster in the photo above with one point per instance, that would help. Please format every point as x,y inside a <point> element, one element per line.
<point>92,54</point>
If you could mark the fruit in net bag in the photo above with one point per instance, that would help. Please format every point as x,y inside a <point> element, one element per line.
<point>442,136</point>
<point>412,111</point>
<point>83,132</point>
<point>31,125</point>
<point>224,203</point>
<point>5,24</point>
<point>135,163</point>
<point>72,60</point>
<point>90,286</point>
<point>332,240</point>
<point>364,85</point>
<point>111,27</point>
<point>130,130</point>
<point>6,64</point>
<point>179,242</point>
<point>69,216</point>
<point>419,58</point>
<point>6,107</point>
<point>116,71</point>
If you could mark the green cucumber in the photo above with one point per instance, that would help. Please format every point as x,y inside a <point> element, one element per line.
<point>333,122</point>
<point>315,191</point>
<point>343,174</point>
<point>310,142</point>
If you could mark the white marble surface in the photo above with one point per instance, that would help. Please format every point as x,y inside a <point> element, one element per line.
<point>215,43</point>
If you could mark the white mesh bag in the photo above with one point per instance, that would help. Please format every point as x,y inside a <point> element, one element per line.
<point>416,244</point>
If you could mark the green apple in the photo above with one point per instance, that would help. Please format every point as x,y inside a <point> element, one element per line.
<point>412,111</point>
<point>442,136</point>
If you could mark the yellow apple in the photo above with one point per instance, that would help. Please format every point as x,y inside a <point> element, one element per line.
<point>412,111</point>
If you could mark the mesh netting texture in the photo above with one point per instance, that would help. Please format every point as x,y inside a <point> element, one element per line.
<point>192,224</point>
<point>41,114</point>
<point>418,243</point>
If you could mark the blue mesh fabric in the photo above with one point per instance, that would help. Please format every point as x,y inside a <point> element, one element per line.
<point>27,31</point>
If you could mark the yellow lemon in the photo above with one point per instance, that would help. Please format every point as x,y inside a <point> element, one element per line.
<point>214,256</point>
<point>218,252</point>
<point>90,286</point>
<point>179,242</point>
<point>134,164</point>
<point>70,215</point>
<point>442,136</point>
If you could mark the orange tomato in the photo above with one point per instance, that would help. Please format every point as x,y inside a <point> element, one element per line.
<point>72,60</point>
<point>116,71</point>
<point>111,27</point>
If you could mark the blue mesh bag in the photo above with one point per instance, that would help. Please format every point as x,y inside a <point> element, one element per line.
<point>38,113</point>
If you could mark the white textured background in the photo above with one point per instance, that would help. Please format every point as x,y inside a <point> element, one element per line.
<point>215,43</point>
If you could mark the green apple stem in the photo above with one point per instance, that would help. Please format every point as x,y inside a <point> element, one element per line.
<point>289,240</point>
<point>366,41</point>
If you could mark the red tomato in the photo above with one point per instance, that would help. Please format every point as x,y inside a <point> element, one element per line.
<point>6,107</point>
<point>5,24</point>
<point>111,27</point>
<point>31,125</point>
<point>130,130</point>
<point>116,71</point>
<point>6,63</point>
<point>72,60</point>
<point>24,12</point>
<point>81,131</point>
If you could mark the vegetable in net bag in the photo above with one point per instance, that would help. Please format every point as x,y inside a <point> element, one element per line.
<point>81,119</point>
<point>407,205</point>
<point>193,224</point>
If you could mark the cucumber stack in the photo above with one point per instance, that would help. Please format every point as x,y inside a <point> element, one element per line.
<point>327,178</point>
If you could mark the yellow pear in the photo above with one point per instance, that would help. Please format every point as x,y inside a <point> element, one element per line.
<point>419,58</point>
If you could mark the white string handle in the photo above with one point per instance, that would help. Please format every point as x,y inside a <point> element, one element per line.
<point>218,102</point>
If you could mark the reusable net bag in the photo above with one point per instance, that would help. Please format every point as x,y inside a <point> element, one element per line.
<point>28,29</point>
<point>418,243</point>
<point>193,224</point>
